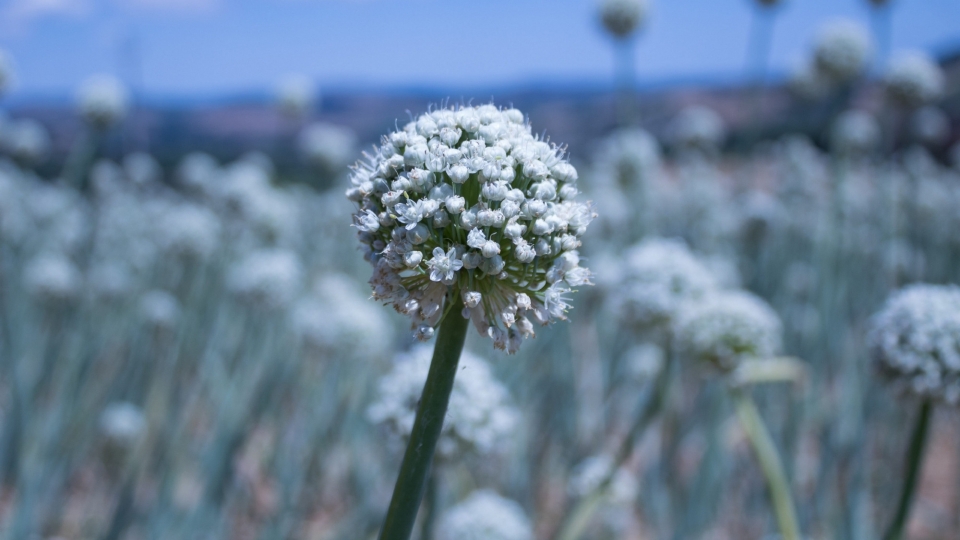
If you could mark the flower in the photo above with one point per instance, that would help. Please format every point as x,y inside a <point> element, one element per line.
<point>52,278</point>
<point>658,276</point>
<point>725,328</point>
<point>591,471</point>
<point>160,310</point>
<point>142,169</point>
<point>188,230</point>
<point>930,126</point>
<point>488,208</point>
<point>327,147</point>
<point>484,515</point>
<point>27,141</point>
<point>622,17</point>
<point>295,95</point>
<point>914,79</point>
<point>915,341</point>
<point>267,279</point>
<point>854,133</point>
<point>479,418</point>
<point>335,318</point>
<point>697,127</point>
<point>842,50</point>
<point>122,423</point>
<point>102,101</point>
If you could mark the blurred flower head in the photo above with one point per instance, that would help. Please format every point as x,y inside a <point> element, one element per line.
<point>915,341</point>
<point>842,50</point>
<point>622,17</point>
<point>855,132</point>
<point>102,101</point>
<point>914,79</point>
<point>27,141</point>
<point>588,475</point>
<point>267,279</point>
<point>659,275</point>
<point>327,147</point>
<point>479,420</point>
<point>725,328</point>
<point>53,278</point>
<point>484,515</point>
<point>697,127</point>
<point>296,95</point>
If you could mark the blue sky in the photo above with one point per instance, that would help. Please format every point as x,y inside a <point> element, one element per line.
<point>206,48</point>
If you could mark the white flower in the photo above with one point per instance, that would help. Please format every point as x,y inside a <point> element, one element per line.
<point>914,79</point>
<point>337,320</point>
<point>188,230</point>
<point>842,50</point>
<point>726,328</point>
<point>443,266</point>
<point>484,515</point>
<point>122,423</point>
<point>915,341</point>
<point>930,126</point>
<point>479,418</point>
<point>27,141</point>
<point>160,310</point>
<point>473,208</point>
<point>659,275</point>
<point>295,95</point>
<point>855,132</point>
<point>697,127</point>
<point>622,17</point>
<point>588,474</point>
<point>142,169</point>
<point>267,279</point>
<point>52,278</point>
<point>327,147</point>
<point>102,101</point>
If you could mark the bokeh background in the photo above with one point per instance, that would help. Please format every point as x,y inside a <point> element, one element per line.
<point>188,343</point>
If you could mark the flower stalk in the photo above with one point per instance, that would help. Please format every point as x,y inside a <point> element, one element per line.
<point>914,458</point>
<point>770,464</point>
<point>417,459</point>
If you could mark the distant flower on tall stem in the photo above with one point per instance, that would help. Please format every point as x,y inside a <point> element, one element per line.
<point>622,19</point>
<point>915,344</point>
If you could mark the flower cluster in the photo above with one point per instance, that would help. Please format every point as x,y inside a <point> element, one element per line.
<point>295,95</point>
<point>930,126</point>
<point>855,132</point>
<point>697,127</point>
<point>915,340</point>
<point>659,276</point>
<point>266,279</point>
<point>479,419</point>
<point>592,471</point>
<point>914,79</point>
<point>102,101</point>
<point>842,50</point>
<point>484,515</point>
<point>622,17</point>
<point>468,202</point>
<point>726,328</point>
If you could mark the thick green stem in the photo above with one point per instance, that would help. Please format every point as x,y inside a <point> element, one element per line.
<point>914,458</point>
<point>770,464</point>
<point>426,428</point>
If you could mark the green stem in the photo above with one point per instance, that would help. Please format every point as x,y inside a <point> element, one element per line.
<point>770,464</point>
<point>426,428</point>
<point>914,458</point>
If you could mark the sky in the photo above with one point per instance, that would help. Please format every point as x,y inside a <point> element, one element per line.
<point>208,48</point>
